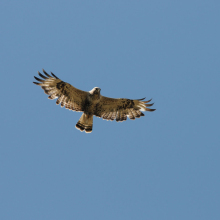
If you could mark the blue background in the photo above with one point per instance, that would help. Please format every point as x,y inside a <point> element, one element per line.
<point>162,166</point>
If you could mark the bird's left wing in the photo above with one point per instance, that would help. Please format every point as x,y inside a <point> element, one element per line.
<point>69,96</point>
<point>119,109</point>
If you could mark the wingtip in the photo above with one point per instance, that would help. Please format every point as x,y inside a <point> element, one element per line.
<point>147,101</point>
<point>40,80</point>
<point>37,83</point>
<point>141,99</point>
<point>54,75</point>
<point>149,105</point>
<point>46,73</point>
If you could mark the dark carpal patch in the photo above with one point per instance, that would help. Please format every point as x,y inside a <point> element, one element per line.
<point>60,85</point>
<point>63,87</point>
<point>126,103</point>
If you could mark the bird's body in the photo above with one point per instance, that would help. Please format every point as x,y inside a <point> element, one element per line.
<point>91,103</point>
<point>93,98</point>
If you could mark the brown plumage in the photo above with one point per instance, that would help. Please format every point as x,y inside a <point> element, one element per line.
<point>91,103</point>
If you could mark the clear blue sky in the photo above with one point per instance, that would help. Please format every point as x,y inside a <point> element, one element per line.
<point>162,166</point>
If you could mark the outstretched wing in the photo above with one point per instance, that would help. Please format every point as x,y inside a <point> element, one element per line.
<point>119,109</point>
<point>69,96</point>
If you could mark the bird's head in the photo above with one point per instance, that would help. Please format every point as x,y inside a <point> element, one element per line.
<point>95,91</point>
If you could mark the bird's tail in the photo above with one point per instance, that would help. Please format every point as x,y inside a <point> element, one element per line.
<point>85,123</point>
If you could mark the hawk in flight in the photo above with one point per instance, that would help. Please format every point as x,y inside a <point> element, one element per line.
<point>90,103</point>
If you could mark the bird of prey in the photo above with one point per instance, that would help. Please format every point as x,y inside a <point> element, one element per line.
<point>90,103</point>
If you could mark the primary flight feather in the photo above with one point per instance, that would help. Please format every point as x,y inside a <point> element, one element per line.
<point>90,103</point>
